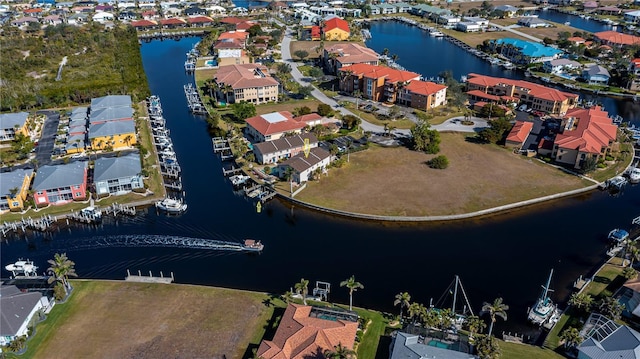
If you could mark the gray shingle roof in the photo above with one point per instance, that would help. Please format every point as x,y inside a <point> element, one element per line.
<point>301,163</point>
<point>406,346</point>
<point>48,177</point>
<point>10,120</point>
<point>624,342</point>
<point>79,111</point>
<point>74,123</point>
<point>111,128</point>
<point>597,70</point>
<point>110,114</point>
<point>117,167</point>
<point>284,143</point>
<point>13,179</point>
<point>15,310</point>
<point>110,101</point>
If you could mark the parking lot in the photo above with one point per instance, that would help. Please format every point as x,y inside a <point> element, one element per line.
<point>47,138</point>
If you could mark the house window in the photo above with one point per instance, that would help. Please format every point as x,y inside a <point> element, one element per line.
<point>39,192</point>
<point>15,204</point>
<point>78,194</point>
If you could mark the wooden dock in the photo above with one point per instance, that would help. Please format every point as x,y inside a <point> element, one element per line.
<point>220,144</point>
<point>149,279</point>
<point>231,171</point>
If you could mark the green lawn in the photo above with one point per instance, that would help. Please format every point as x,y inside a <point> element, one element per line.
<point>602,282</point>
<point>525,351</point>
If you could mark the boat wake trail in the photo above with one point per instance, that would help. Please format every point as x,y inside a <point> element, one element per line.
<point>152,241</point>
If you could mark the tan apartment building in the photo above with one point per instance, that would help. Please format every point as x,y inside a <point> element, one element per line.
<point>423,95</point>
<point>377,83</point>
<point>347,54</point>
<point>247,82</point>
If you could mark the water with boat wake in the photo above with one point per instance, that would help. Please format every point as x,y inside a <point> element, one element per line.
<point>144,240</point>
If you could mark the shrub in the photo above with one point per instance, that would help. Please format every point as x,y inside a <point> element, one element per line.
<point>324,109</point>
<point>439,162</point>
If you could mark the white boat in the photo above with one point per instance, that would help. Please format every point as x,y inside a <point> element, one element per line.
<point>91,213</point>
<point>568,23</point>
<point>507,65</point>
<point>237,180</point>
<point>251,245</point>
<point>171,205</point>
<point>634,175</point>
<point>544,308</point>
<point>616,182</point>
<point>618,235</point>
<point>436,34</point>
<point>22,268</point>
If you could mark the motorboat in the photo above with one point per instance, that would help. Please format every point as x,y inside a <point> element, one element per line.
<point>436,34</point>
<point>171,205</point>
<point>634,175</point>
<point>251,245</point>
<point>616,182</point>
<point>22,268</point>
<point>237,180</point>
<point>544,308</point>
<point>91,213</point>
<point>618,235</point>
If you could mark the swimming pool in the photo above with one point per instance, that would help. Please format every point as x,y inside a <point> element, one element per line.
<point>211,63</point>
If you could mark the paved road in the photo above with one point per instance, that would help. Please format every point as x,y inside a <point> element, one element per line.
<point>519,33</point>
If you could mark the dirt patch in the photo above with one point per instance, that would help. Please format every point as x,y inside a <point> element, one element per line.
<point>140,320</point>
<point>539,32</point>
<point>312,47</point>
<point>290,106</point>
<point>397,182</point>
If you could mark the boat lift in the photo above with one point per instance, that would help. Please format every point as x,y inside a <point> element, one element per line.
<point>322,290</point>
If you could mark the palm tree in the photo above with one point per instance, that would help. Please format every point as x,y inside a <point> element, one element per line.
<point>634,253</point>
<point>415,311</point>
<point>127,139</point>
<point>339,352</point>
<point>610,307</point>
<point>629,273</point>
<point>302,287</point>
<point>403,300</point>
<point>495,309</point>
<point>18,343</point>
<point>61,268</point>
<point>385,52</point>
<point>395,58</point>
<point>287,297</point>
<point>571,337</point>
<point>488,348</point>
<point>352,285</point>
<point>581,301</point>
<point>474,325</point>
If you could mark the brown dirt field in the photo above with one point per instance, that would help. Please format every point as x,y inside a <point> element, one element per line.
<point>397,182</point>
<point>310,47</point>
<point>312,103</point>
<point>140,320</point>
<point>540,32</point>
<point>476,38</point>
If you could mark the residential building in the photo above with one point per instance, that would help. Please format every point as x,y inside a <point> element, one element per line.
<point>374,10</point>
<point>560,65</point>
<point>519,134</point>
<point>14,188</point>
<point>110,101</point>
<point>347,54</point>
<point>172,23</point>
<point>386,9</point>
<point>60,184</point>
<point>117,175</point>
<point>303,333</point>
<point>108,114</point>
<point>482,22</point>
<point>532,22</point>
<point>200,21</point>
<point>632,16</point>
<point>502,90</point>
<point>114,135</point>
<point>448,20</point>
<point>629,296</point>
<point>525,52</point>
<point>429,11</point>
<point>604,338</point>
<point>506,10</point>
<point>336,29</point>
<point>467,26</point>
<point>12,124</point>
<point>614,38</point>
<point>247,82</point>
<point>378,83</point>
<point>303,166</point>
<point>587,133</point>
<point>103,17</point>
<point>423,95</point>
<point>283,148</point>
<point>634,67</point>
<point>18,310</point>
<point>411,346</point>
<point>576,40</point>
<point>144,24</point>
<point>596,75</point>
<point>240,36</point>
<point>402,7</point>
<point>272,126</point>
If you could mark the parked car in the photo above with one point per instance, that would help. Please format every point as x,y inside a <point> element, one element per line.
<point>522,108</point>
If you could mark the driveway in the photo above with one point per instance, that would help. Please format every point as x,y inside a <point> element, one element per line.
<point>48,137</point>
<point>519,33</point>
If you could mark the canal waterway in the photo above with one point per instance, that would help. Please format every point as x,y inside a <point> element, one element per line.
<point>508,255</point>
<point>590,25</point>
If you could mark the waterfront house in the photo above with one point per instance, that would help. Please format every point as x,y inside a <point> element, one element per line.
<point>283,148</point>
<point>604,338</point>
<point>560,65</point>
<point>240,36</point>
<point>303,166</point>
<point>423,95</point>
<point>347,54</point>
<point>377,83</point>
<point>374,10</point>
<point>411,346</point>
<point>402,7</point>
<point>336,29</point>
<point>12,124</point>
<point>608,10</point>
<point>60,184</point>
<point>614,38</point>
<point>634,67</point>
<point>304,331</point>
<point>247,82</point>
<point>429,11</point>
<point>629,296</point>
<point>532,22</point>
<point>144,24</point>
<point>18,310</point>
<point>272,126</point>
<point>112,134</point>
<point>172,23</point>
<point>525,52</point>
<point>110,101</point>
<point>117,175</point>
<point>14,188</point>
<point>482,22</point>
<point>519,134</point>
<point>107,114</point>
<point>466,26</point>
<point>632,16</point>
<point>535,96</point>
<point>386,9</point>
<point>448,20</point>
<point>200,21</point>
<point>596,75</point>
<point>586,133</point>
<point>506,10</point>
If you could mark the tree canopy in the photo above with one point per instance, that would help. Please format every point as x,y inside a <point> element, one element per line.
<point>243,110</point>
<point>424,138</point>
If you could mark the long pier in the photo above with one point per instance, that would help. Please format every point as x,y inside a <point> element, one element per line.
<point>169,34</point>
<point>148,279</point>
<point>193,99</point>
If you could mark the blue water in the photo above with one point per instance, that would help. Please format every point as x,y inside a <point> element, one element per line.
<point>576,21</point>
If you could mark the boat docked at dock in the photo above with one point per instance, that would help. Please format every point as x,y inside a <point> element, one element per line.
<point>544,311</point>
<point>171,205</point>
<point>251,245</point>
<point>436,34</point>
<point>238,179</point>
<point>634,175</point>
<point>618,235</point>
<point>22,268</point>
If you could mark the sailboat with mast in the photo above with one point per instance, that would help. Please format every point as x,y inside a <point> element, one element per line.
<point>459,295</point>
<point>544,312</point>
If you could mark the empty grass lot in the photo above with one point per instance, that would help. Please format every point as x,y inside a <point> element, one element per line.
<point>539,32</point>
<point>478,177</point>
<point>312,47</point>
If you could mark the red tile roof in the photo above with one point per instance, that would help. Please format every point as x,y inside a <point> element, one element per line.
<point>245,76</point>
<point>199,19</point>
<point>520,132</point>
<point>576,39</point>
<point>231,20</point>
<point>593,132</point>
<point>424,87</point>
<point>315,31</point>
<point>336,22</point>
<point>376,72</point>
<point>149,13</point>
<point>143,23</point>
<point>539,91</point>
<point>266,128</point>
<point>480,94</point>
<point>618,38</point>
<point>234,35</point>
<point>245,25</point>
<point>172,21</point>
<point>229,44</point>
<point>352,53</point>
<point>301,336</point>
<point>33,11</point>
<point>308,118</point>
<point>635,63</point>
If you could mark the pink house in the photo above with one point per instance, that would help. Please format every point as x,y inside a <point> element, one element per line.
<point>60,184</point>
